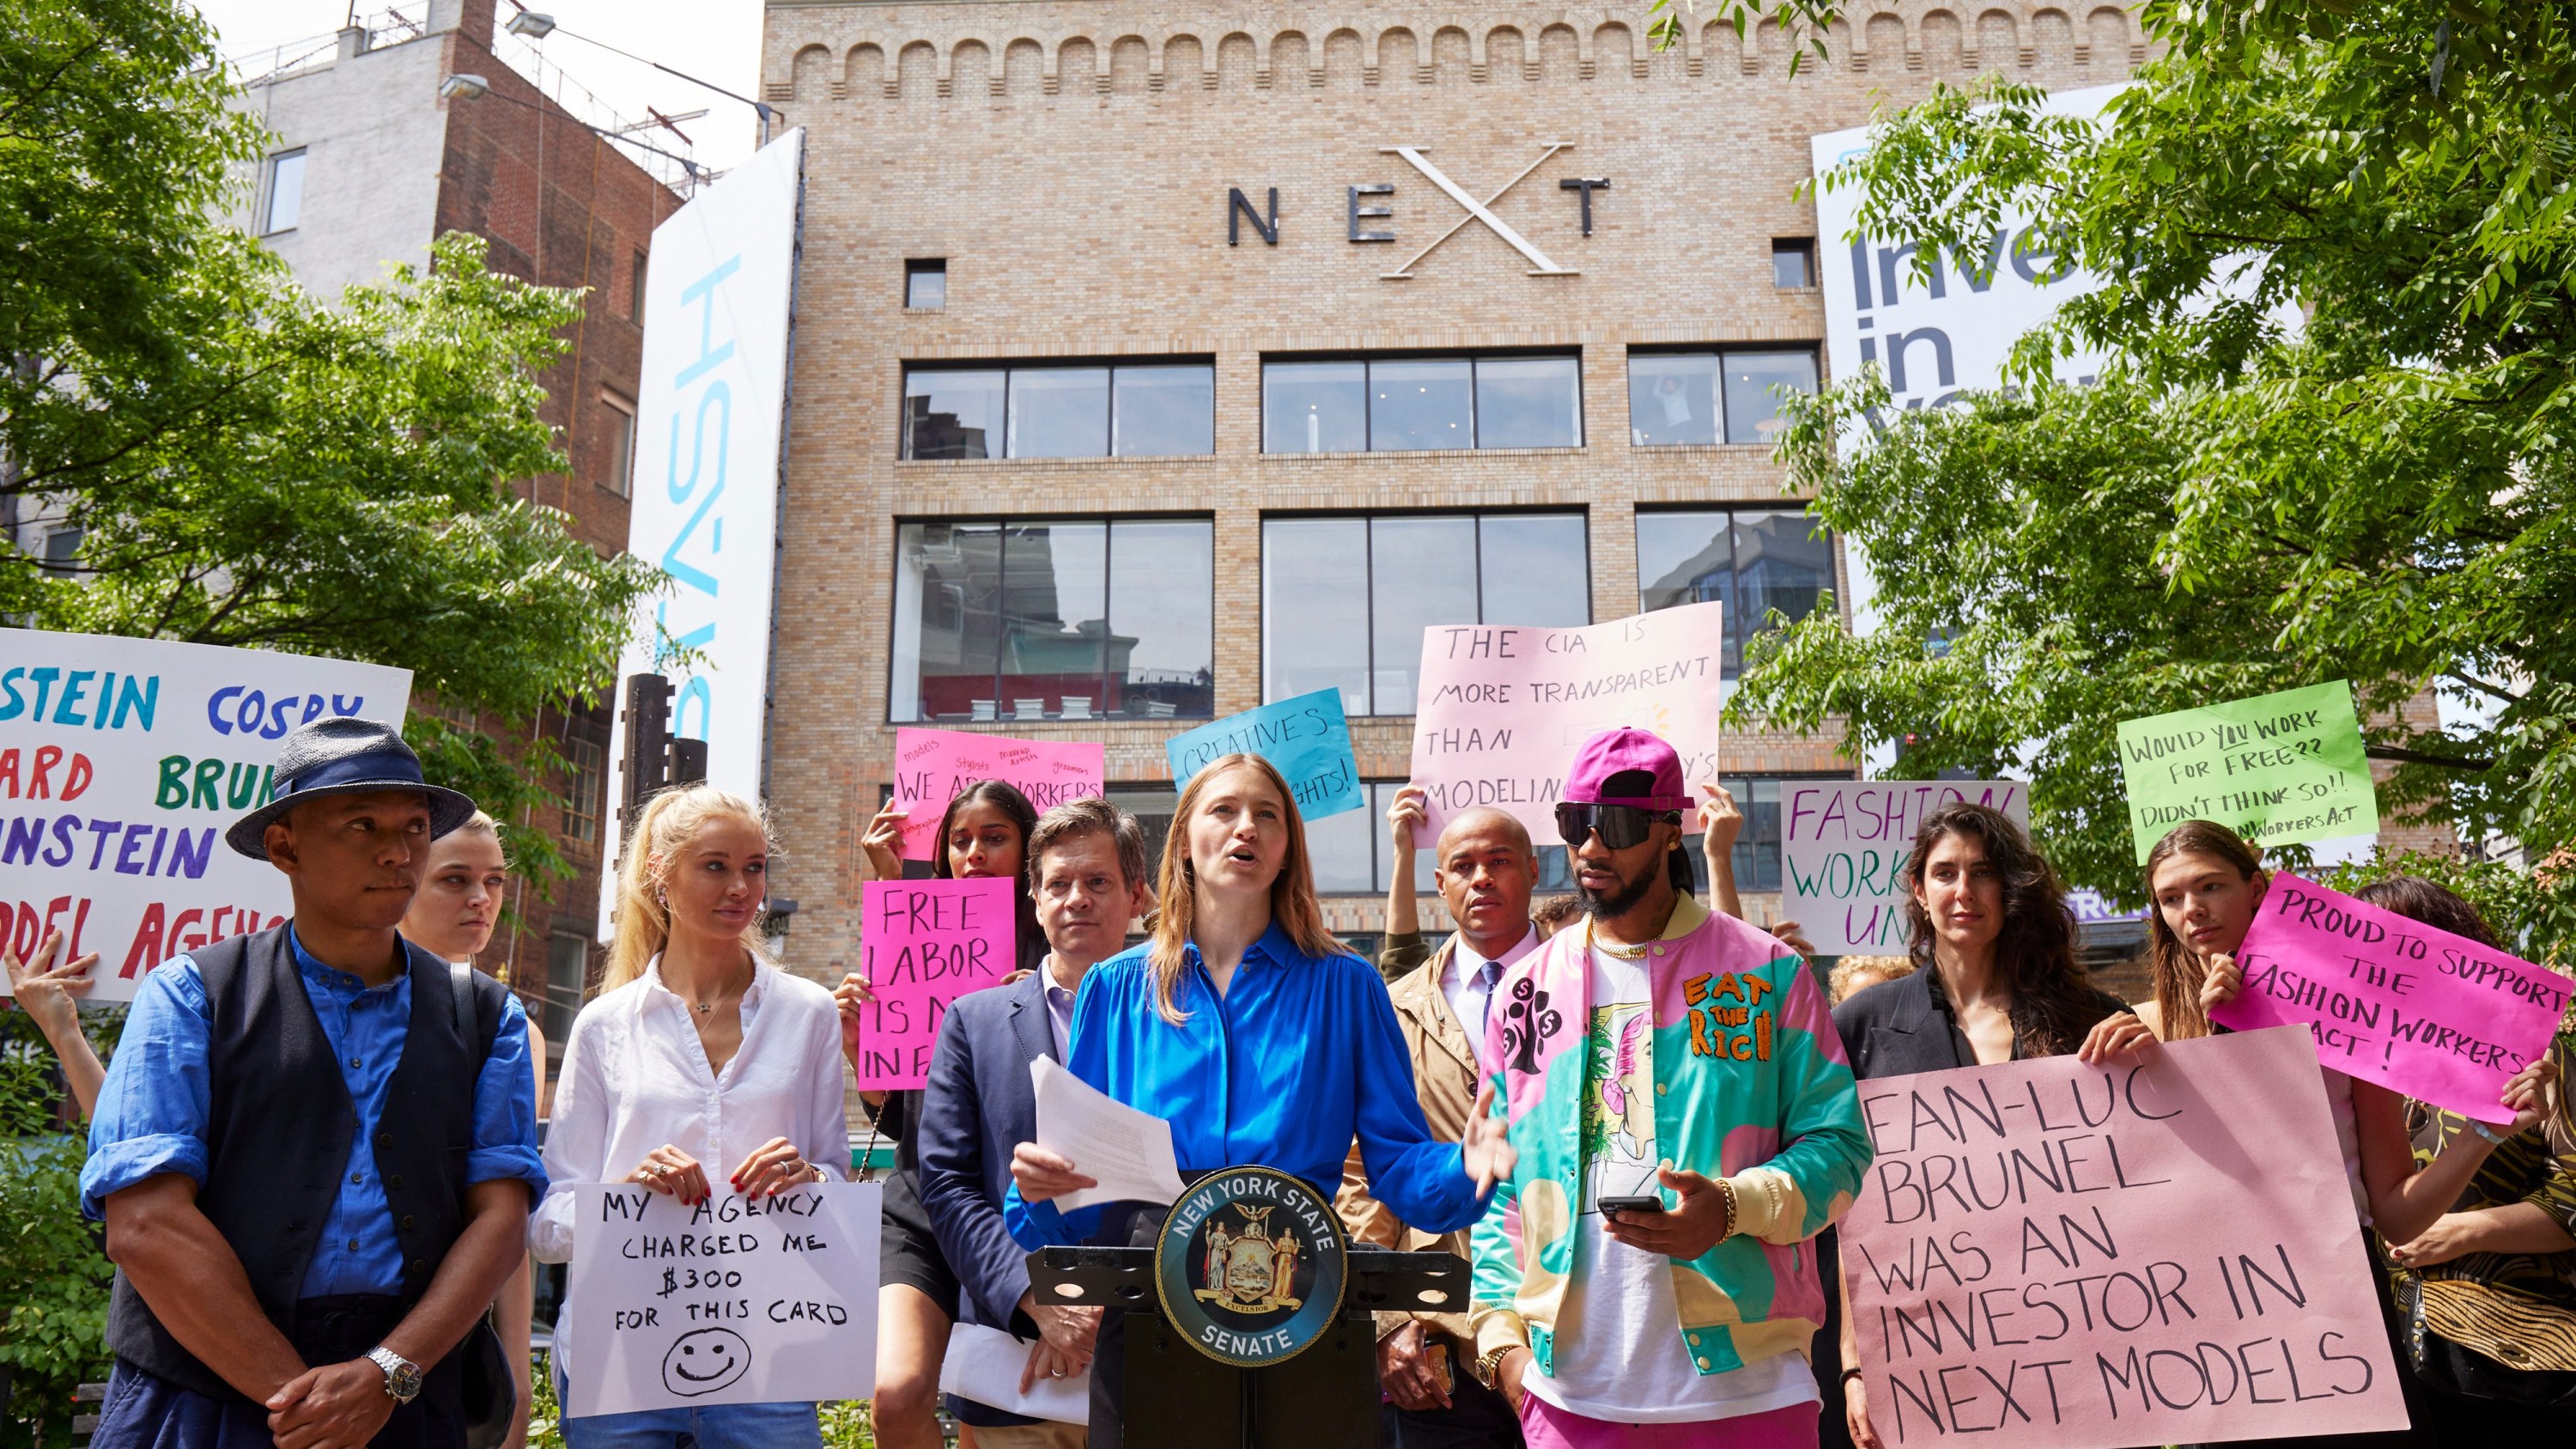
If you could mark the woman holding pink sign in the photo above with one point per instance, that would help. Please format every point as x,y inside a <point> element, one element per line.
<point>983,835</point>
<point>699,1055</point>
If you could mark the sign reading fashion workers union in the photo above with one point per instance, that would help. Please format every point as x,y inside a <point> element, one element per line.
<point>1504,709</point>
<point>709,429</point>
<point>121,763</point>
<point>1844,846</point>
<point>1250,1266</point>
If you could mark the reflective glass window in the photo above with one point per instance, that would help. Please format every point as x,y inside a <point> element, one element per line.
<point>1162,654</point>
<point>285,191</point>
<point>1422,573</point>
<point>1059,412</point>
<point>1672,398</point>
<point>1055,594</point>
<point>1163,411</point>
<point>1753,560</point>
<point>1314,407</point>
<point>1423,404</point>
<point>1536,569</point>
<point>1753,383</point>
<point>1528,402</point>
<point>1341,849</point>
<point>953,414</point>
<point>1315,609</point>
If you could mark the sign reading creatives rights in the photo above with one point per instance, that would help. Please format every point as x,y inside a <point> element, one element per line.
<point>2435,1016</point>
<point>931,766</point>
<point>735,1301</point>
<point>926,943</point>
<point>2277,768</point>
<point>1502,710</point>
<point>2050,1254</point>
<point>1307,737</point>
<point>121,763</point>
<point>1843,849</point>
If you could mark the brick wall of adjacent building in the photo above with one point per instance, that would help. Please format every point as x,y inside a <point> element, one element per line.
<point>1072,161</point>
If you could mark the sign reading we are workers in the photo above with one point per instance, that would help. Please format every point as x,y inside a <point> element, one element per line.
<point>121,763</point>
<point>710,418</point>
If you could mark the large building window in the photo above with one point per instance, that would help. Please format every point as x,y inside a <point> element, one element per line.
<point>285,192</point>
<point>585,755</point>
<point>1753,560</point>
<point>1031,619</point>
<point>1352,854</point>
<point>1396,404</point>
<point>1056,410</point>
<point>1344,599</point>
<point>1711,397</point>
<point>618,414</point>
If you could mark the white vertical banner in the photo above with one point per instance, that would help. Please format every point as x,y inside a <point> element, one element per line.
<point>708,455</point>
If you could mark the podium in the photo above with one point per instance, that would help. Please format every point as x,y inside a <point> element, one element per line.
<point>1242,1335</point>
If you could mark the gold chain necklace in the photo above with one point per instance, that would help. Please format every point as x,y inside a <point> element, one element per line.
<point>1630,953</point>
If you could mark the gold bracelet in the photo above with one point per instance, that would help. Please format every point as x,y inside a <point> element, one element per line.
<point>1728,1190</point>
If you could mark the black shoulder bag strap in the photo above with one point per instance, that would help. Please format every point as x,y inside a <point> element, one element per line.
<point>491,1390</point>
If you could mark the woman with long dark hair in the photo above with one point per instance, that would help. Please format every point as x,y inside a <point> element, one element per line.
<point>983,835</point>
<point>1995,980</point>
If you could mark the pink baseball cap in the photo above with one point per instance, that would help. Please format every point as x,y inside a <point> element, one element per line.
<point>1615,752</point>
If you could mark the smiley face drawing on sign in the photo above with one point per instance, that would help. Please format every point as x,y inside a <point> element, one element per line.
<point>704,1361</point>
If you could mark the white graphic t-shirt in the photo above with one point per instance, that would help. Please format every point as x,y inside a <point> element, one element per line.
<point>1619,1350</point>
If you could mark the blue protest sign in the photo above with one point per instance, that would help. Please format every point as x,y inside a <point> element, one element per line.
<point>1306,737</point>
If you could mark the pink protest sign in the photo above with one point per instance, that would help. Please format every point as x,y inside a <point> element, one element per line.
<point>2394,1001</point>
<point>1502,710</point>
<point>931,766</point>
<point>2085,1257</point>
<point>926,943</point>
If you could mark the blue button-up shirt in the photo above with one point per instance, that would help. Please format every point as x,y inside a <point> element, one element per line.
<point>153,1109</point>
<point>1301,1054</point>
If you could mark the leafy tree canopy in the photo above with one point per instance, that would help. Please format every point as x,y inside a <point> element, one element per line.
<point>2382,494</point>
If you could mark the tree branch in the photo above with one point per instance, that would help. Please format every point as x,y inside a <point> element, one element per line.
<point>2418,757</point>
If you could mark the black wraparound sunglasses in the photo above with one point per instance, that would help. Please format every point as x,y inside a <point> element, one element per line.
<point>1621,826</point>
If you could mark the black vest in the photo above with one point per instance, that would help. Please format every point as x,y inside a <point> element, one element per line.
<point>278,1130</point>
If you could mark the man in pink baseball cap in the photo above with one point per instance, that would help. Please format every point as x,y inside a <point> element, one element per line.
<point>1681,1106</point>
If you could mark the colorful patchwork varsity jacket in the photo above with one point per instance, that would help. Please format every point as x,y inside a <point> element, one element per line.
<point>1750,1084</point>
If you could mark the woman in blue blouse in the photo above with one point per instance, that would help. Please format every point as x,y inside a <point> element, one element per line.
<point>1262,1041</point>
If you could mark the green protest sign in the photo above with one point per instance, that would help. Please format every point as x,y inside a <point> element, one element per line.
<point>2275,768</point>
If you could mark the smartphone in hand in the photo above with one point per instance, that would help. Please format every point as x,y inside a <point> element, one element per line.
<point>1646,1203</point>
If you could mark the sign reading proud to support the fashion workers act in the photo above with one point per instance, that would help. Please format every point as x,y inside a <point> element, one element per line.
<point>121,763</point>
<point>1843,849</point>
<point>2275,769</point>
<point>737,1300</point>
<point>1307,737</point>
<point>931,766</point>
<point>2052,1254</point>
<point>1504,709</point>
<point>925,943</point>
<point>2420,1011</point>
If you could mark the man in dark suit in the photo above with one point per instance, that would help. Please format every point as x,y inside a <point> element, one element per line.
<point>1087,860</point>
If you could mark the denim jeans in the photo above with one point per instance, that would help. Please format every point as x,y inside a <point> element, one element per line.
<point>715,1426</point>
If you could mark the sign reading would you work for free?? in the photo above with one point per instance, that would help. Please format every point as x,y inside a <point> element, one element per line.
<point>2418,1010</point>
<point>2275,769</point>
<point>736,1300</point>
<point>122,761</point>
<point>1503,710</point>
<point>2046,1253</point>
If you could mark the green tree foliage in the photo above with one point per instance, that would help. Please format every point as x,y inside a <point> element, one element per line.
<point>53,1318</point>
<point>2382,494</point>
<point>251,466</point>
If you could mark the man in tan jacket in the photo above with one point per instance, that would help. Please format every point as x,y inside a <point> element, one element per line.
<point>1485,871</point>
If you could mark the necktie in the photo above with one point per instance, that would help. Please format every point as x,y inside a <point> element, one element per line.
<point>1488,977</point>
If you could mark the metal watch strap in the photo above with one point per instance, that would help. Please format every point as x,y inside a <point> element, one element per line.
<point>402,1376</point>
<point>1488,1369</point>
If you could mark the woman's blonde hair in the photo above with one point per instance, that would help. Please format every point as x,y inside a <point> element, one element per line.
<point>671,820</point>
<point>1293,907</point>
<point>481,824</point>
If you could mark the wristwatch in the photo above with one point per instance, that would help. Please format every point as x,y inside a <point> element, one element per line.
<point>402,1376</point>
<point>1488,1368</point>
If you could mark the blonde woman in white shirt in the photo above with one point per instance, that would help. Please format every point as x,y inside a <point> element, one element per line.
<point>699,1057</point>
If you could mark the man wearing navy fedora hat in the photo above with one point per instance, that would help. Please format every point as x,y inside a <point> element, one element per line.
<point>316,1147</point>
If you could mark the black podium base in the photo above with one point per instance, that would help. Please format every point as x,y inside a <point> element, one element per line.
<point>1178,1396</point>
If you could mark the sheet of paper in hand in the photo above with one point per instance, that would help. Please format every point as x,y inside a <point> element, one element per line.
<point>735,1301</point>
<point>2435,1016</point>
<point>924,943</point>
<point>1843,848</point>
<point>2050,1254</point>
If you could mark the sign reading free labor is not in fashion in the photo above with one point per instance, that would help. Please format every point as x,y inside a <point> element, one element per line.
<point>1503,709</point>
<point>1844,845</point>
<point>925,943</point>
<point>2420,1011</point>
<point>932,766</point>
<point>122,761</point>
<point>2077,1257</point>
<point>734,1301</point>
<point>2276,768</point>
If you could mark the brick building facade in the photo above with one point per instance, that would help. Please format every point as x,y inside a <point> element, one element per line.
<point>1070,170</point>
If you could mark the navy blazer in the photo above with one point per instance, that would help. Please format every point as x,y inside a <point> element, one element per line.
<point>977,1106</point>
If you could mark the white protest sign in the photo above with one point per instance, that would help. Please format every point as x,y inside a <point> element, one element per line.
<point>1843,847</point>
<point>121,763</point>
<point>738,1300</point>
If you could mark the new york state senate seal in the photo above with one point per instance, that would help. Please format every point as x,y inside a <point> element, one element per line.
<point>1251,1266</point>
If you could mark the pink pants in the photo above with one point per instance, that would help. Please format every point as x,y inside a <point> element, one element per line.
<point>1546,1426</point>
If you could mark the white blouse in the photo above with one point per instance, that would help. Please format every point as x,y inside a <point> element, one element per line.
<point>635,1077</point>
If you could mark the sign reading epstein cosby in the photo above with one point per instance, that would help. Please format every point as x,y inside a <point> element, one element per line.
<point>709,441</point>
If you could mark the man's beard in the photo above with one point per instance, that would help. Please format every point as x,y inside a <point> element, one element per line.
<point>1629,894</point>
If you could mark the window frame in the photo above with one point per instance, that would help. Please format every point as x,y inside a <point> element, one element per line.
<point>1734,617</point>
<point>1581,513</point>
<point>1367,362</point>
<point>1004,524</point>
<point>1006,366</point>
<point>621,474</point>
<point>1803,246</point>
<point>925,267</point>
<point>635,286</point>
<point>1720,351</point>
<point>300,155</point>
